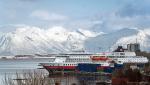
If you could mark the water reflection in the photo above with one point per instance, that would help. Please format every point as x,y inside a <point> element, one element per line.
<point>76,79</point>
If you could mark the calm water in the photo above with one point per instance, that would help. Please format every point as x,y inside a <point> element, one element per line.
<point>10,67</point>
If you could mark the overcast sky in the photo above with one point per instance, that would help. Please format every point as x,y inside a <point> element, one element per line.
<point>105,15</point>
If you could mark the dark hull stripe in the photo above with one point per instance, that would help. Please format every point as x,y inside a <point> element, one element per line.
<point>60,67</point>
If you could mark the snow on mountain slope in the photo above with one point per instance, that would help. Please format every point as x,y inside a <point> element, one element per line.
<point>108,42</point>
<point>88,33</point>
<point>31,40</point>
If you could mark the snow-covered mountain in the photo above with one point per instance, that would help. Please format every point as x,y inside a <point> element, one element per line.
<point>31,40</point>
<point>108,42</point>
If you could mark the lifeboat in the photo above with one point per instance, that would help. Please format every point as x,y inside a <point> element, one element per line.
<point>101,58</point>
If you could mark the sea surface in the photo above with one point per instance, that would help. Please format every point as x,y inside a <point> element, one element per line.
<point>11,67</point>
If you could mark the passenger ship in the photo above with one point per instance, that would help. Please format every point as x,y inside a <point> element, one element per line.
<point>69,62</point>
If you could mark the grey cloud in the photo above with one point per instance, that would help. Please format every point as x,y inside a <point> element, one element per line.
<point>135,8</point>
<point>131,14</point>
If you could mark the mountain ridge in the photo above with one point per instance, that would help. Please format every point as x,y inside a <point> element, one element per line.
<point>109,42</point>
<point>34,40</point>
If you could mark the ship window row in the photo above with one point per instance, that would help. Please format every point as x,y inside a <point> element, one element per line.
<point>79,56</point>
<point>63,64</point>
<point>69,64</point>
<point>116,56</point>
<point>77,60</point>
<point>136,60</point>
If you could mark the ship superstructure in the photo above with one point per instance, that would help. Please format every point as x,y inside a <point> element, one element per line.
<point>70,62</point>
